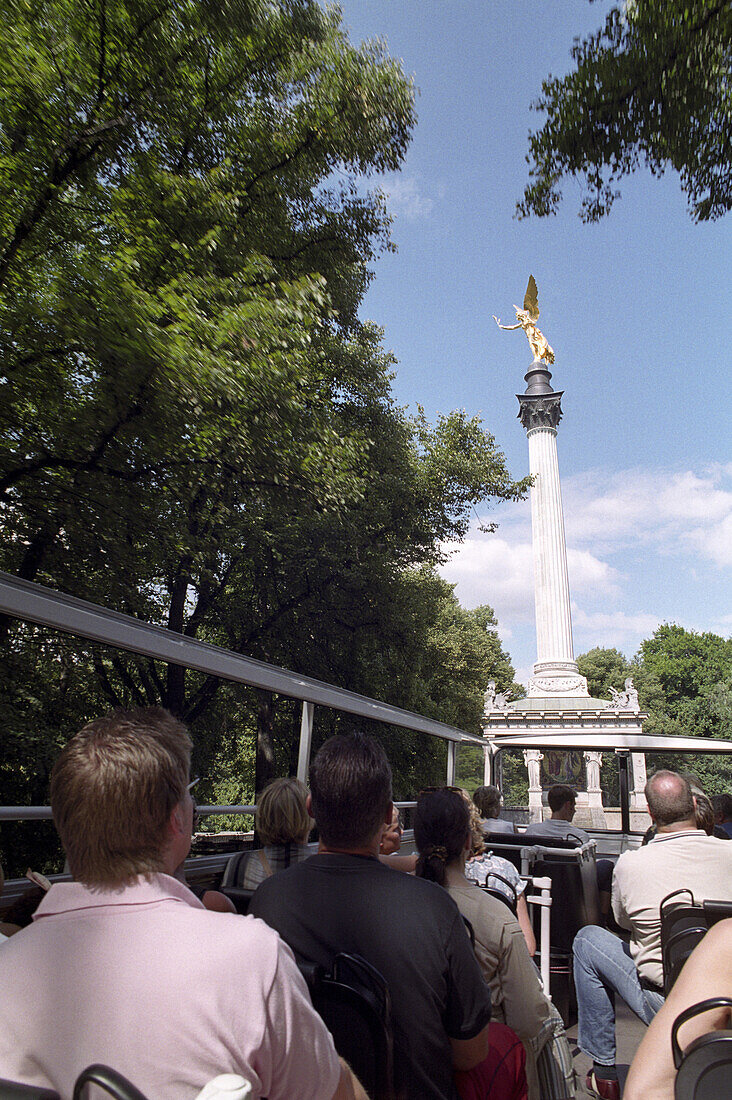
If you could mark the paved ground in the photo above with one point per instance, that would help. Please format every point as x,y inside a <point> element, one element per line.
<point>629,1032</point>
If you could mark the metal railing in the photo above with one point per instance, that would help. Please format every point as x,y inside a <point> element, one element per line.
<point>38,604</point>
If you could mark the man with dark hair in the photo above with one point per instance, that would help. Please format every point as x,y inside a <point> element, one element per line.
<point>125,966</point>
<point>679,856</point>
<point>344,899</point>
<point>562,800</point>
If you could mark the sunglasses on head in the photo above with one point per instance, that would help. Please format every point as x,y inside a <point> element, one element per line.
<point>444,787</point>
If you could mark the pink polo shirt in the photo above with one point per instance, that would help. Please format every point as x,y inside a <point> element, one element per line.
<point>146,980</point>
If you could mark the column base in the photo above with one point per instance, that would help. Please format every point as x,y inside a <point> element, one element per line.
<point>557,678</point>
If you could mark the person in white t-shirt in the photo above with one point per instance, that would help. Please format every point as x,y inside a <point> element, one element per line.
<point>679,856</point>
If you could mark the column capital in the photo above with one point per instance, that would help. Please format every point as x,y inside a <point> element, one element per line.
<point>541,410</point>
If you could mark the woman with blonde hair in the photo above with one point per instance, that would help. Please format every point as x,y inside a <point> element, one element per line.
<point>283,825</point>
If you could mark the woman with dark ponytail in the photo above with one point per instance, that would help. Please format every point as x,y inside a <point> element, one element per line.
<point>441,825</point>
<point>443,837</point>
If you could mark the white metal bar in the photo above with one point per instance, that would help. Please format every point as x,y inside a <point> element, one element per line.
<point>450,763</point>
<point>306,737</point>
<point>544,900</point>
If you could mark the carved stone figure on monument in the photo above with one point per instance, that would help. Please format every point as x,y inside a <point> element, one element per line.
<point>624,700</point>
<point>631,696</point>
<point>501,700</point>
<point>526,319</point>
<point>494,700</point>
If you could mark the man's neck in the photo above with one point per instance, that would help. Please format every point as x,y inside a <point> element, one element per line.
<point>336,850</point>
<point>677,826</point>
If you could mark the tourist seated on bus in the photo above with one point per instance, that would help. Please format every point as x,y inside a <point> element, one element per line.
<point>562,802</point>
<point>722,806</point>
<point>443,837</point>
<point>345,899</point>
<point>496,873</point>
<point>391,842</point>
<point>283,826</point>
<point>488,801</point>
<point>707,973</point>
<point>679,856</point>
<point>124,965</point>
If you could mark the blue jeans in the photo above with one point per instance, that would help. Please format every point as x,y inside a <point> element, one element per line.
<point>602,968</point>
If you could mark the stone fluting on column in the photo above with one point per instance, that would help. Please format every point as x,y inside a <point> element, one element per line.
<point>551,579</point>
<point>555,671</point>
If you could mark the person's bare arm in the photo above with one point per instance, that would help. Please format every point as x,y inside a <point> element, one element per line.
<point>349,1086</point>
<point>522,916</point>
<point>400,863</point>
<point>218,902</point>
<point>467,1053</point>
<point>707,973</point>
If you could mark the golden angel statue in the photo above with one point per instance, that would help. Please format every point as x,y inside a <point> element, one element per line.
<point>527,318</point>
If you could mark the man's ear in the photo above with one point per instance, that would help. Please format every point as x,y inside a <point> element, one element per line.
<point>309,806</point>
<point>176,821</point>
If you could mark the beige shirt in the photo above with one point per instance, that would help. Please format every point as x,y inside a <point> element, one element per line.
<point>644,877</point>
<point>500,948</point>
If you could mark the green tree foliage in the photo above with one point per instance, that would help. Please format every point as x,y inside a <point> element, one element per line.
<point>195,427</point>
<point>652,86</point>
<point>604,668</point>
<point>684,682</point>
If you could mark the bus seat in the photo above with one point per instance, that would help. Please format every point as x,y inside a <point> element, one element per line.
<point>235,868</point>
<point>511,902</point>
<point>13,1090</point>
<point>684,922</point>
<point>575,903</point>
<point>355,1004</point>
<point>107,1079</point>
<point>704,1069</point>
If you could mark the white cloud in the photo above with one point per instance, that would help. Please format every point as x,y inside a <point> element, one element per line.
<point>490,569</point>
<point>639,543</point>
<point>669,511</point>
<point>611,629</point>
<point>405,199</point>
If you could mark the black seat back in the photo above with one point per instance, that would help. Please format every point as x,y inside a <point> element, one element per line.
<point>684,922</point>
<point>510,900</point>
<point>235,868</point>
<point>575,896</point>
<point>704,1069</point>
<point>13,1090</point>
<point>355,1005</point>
<point>108,1079</point>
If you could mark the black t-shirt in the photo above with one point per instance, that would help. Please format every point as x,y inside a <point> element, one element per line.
<point>411,931</point>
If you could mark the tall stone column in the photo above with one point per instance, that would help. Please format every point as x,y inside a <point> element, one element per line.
<point>555,672</point>
<point>593,763</point>
<point>533,759</point>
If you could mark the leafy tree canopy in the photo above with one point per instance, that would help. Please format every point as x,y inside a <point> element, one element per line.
<point>604,668</point>
<point>195,427</point>
<point>652,86</point>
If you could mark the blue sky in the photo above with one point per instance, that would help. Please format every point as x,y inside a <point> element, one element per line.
<point>636,308</point>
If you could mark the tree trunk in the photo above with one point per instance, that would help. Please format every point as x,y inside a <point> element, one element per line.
<point>265,759</point>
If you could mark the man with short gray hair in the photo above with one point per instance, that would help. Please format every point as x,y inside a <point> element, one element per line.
<point>679,856</point>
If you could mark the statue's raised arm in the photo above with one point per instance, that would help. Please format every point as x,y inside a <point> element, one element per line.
<point>526,319</point>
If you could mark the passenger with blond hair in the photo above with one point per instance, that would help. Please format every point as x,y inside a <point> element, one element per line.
<point>126,967</point>
<point>283,826</point>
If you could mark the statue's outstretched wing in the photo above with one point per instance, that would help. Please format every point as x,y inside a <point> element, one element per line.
<point>531,299</point>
